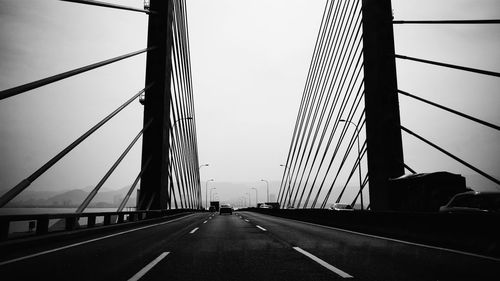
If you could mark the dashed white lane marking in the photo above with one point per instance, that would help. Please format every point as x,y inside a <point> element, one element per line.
<point>194,230</point>
<point>88,241</point>
<point>205,222</point>
<point>148,267</point>
<point>261,228</point>
<point>323,263</point>
<point>247,220</point>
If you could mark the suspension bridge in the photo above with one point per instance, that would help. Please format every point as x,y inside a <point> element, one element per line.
<point>348,129</point>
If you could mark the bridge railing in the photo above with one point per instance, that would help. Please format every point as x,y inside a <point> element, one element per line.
<point>26,225</point>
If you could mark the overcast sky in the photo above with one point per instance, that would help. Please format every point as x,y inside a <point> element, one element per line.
<point>249,63</point>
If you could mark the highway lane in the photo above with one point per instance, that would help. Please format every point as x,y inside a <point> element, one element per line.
<point>116,257</point>
<point>228,248</point>
<point>369,257</point>
<point>200,246</point>
<point>244,246</point>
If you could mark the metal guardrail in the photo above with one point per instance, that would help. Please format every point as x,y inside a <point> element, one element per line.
<point>41,224</point>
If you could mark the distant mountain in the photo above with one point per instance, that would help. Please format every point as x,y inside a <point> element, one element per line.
<point>29,193</point>
<point>68,198</point>
<point>91,187</point>
<point>73,198</point>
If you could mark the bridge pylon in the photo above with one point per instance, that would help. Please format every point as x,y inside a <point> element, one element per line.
<point>383,131</point>
<point>154,182</point>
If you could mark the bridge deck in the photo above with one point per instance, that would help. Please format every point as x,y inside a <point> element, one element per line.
<point>242,246</point>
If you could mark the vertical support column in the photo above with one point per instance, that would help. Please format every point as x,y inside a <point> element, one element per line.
<point>383,132</point>
<point>157,107</point>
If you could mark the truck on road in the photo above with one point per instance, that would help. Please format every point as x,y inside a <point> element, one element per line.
<point>215,205</point>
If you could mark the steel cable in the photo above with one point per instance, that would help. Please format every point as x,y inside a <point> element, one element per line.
<point>287,164</point>
<point>321,88</point>
<point>343,78</point>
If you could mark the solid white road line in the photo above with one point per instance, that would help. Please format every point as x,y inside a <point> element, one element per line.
<point>88,241</point>
<point>323,263</point>
<point>261,228</point>
<point>205,222</point>
<point>148,267</point>
<point>194,230</point>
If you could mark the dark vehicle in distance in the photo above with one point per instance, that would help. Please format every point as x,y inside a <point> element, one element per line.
<point>225,209</point>
<point>215,204</point>
<point>211,209</point>
<point>473,202</point>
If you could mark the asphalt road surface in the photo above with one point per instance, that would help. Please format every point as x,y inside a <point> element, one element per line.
<point>242,246</point>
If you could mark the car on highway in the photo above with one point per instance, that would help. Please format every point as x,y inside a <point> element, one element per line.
<point>211,209</point>
<point>225,209</point>
<point>473,202</point>
<point>341,207</point>
<point>265,206</point>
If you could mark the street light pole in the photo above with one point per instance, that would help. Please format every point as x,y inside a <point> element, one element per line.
<point>206,193</point>
<point>180,119</point>
<point>359,160</point>
<point>211,193</point>
<point>249,201</point>
<point>256,196</point>
<point>267,184</point>
<point>199,178</point>
<point>288,192</point>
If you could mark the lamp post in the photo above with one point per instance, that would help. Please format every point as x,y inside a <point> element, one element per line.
<point>288,192</point>
<point>249,201</point>
<point>199,179</point>
<point>256,196</point>
<point>206,192</point>
<point>267,184</point>
<point>359,160</point>
<point>180,119</point>
<point>211,193</point>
